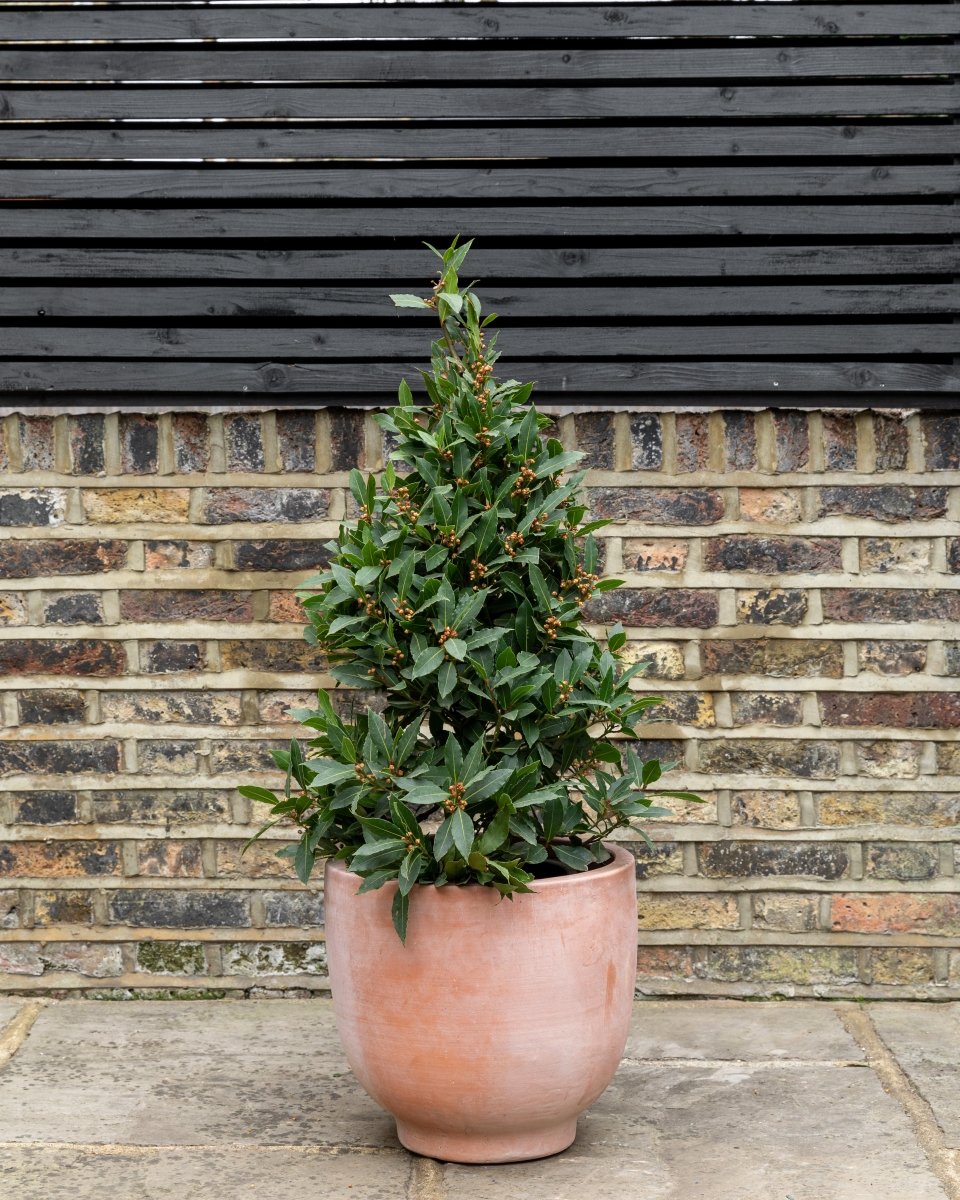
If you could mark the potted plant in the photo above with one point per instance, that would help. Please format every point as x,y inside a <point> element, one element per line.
<point>481,933</point>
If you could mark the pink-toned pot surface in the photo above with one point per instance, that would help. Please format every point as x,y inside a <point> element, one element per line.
<point>499,1021</point>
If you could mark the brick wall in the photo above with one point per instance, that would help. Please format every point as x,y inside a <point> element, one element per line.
<point>791,581</point>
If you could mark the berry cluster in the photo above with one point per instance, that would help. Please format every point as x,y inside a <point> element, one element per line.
<point>457,793</point>
<point>405,506</point>
<point>523,487</point>
<point>511,542</point>
<point>551,627</point>
<point>446,635</point>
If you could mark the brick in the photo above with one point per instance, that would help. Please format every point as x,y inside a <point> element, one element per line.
<point>652,607</point>
<point>953,555</point>
<point>286,607</point>
<point>192,708</point>
<point>595,437</point>
<point>296,441</point>
<point>941,441</point>
<point>4,449</point>
<point>646,442</point>
<point>293,909</point>
<point>886,502</point>
<point>765,809</point>
<point>896,912</point>
<point>891,658</point>
<point>275,958</point>
<point>902,860</point>
<point>739,441</point>
<point>951,658</point>
<point>61,657</point>
<point>771,555</point>
<point>901,966</point>
<point>667,751</point>
<point>686,812</point>
<point>686,911</point>
<point>654,554</point>
<point>259,862</point>
<point>787,914</point>
<point>890,604</point>
<point>273,706</point>
<point>9,910</point>
<point>99,960</point>
<point>685,708</point>
<point>693,442</point>
<point>302,554</point>
<point>166,909</point>
<point>347,448</point>
<point>767,708</point>
<point>45,808</point>
<point>779,658</point>
<point>171,958</point>
<point>139,444</point>
<point>662,660</point>
<point>120,506</point>
<point>891,439</point>
<point>948,758</point>
<point>85,439</point>
<point>771,506</point>
<point>160,556</point>
<point>909,710</point>
<point>933,809</point>
<point>45,860</point>
<point>817,860</point>
<point>665,858</point>
<point>191,443</point>
<point>245,755</point>
<point>169,859</point>
<point>839,442</point>
<point>243,440</point>
<point>29,559</point>
<point>889,760</point>
<point>36,443</point>
<point>32,506</point>
<point>286,655</point>
<point>772,606</point>
<point>59,758</point>
<point>12,609</point>
<point>51,707</point>
<point>20,959</point>
<point>791,440</point>
<point>167,758</point>
<point>137,806</point>
<point>782,964</point>
<point>72,608</point>
<point>172,604</point>
<point>223,506</point>
<point>165,658</point>
<point>658,506</point>
<point>664,962</point>
<point>771,756</point>
<point>62,908</point>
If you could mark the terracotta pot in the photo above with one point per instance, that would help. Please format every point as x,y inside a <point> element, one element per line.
<point>499,1021</point>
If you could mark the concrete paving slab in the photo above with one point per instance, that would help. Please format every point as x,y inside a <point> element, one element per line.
<point>925,1040</point>
<point>148,1073</point>
<point>9,1008</point>
<point>35,1173</point>
<point>730,1029</point>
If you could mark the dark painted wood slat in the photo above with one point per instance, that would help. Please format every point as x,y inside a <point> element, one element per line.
<point>789,220</point>
<point>508,103</point>
<point>547,341</point>
<point>270,64</point>
<point>276,303</point>
<point>402,266</point>
<point>563,379</point>
<point>473,183</point>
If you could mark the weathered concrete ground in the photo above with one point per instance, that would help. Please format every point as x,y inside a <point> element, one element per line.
<point>252,1100</point>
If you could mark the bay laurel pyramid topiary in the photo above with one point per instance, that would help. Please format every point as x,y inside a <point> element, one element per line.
<point>457,594</point>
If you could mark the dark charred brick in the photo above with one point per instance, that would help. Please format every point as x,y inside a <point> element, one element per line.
<point>902,860</point>
<point>771,555</point>
<point>941,441</point>
<point>298,910</point>
<point>778,657</point>
<point>86,444</point>
<point>139,443</point>
<point>297,441</point>
<point>31,506</point>
<point>664,858</point>
<point>286,655</point>
<point>892,658</point>
<point>294,555</point>
<point>73,608</point>
<point>30,559</point>
<point>595,437</point>
<point>148,807</point>
<point>191,443</point>
<point>763,756</point>
<point>59,859</point>
<point>223,506</point>
<point>772,606</point>
<point>36,443</point>
<point>347,448</point>
<point>792,440</point>
<point>681,607</point>
<point>820,860</point>
<point>245,755</point>
<point>885,502</point>
<point>658,506</point>
<point>646,442</point>
<point>767,708</point>
<point>953,555</point>
<point>889,604</point>
<point>244,442</point>
<point>169,604</point>
<point>951,658</point>
<point>166,757</point>
<point>165,909</point>
<point>82,656</point>
<point>52,708</point>
<point>739,441</point>
<point>669,752</point>
<point>892,440</point>
<point>693,442</point>
<point>45,808</point>
<point>59,758</point>
<point>62,908</point>
<point>839,442</point>
<point>167,658</point>
<point>907,710</point>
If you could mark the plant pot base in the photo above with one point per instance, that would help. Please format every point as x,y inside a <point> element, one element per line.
<point>487,1148</point>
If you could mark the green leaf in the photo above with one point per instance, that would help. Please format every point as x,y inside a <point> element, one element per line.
<point>358,488</point>
<point>378,854</point>
<point>461,826</point>
<point>496,832</point>
<point>304,859</point>
<point>453,299</point>
<point>616,637</point>
<point>578,858</point>
<point>456,648</point>
<point>405,575</point>
<point>407,301</point>
<point>375,880</point>
<point>443,840</point>
<point>558,462</point>
<point>400,912</point>
<point>524,628</point>
<point>404,395</point>
<point>446,679</point>
<point>540,587</point>
<point>410,871</point>
<point>326,772</point>
<point>261,795</point>
<point>552,816</point>
<point>426,663</point>
<point>367,575</point>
